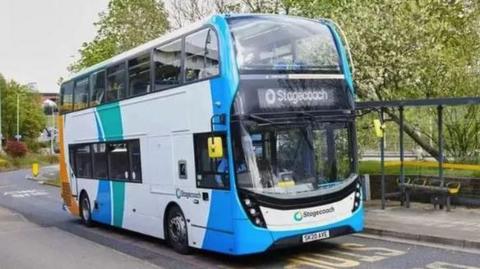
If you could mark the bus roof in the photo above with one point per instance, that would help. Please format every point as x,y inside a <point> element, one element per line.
<point>158,41</point>
<point>146,46</point>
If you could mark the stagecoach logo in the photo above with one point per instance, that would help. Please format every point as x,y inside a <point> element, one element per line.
<point>300,215</point>
<point>277,98</point>
<point>181,193</point>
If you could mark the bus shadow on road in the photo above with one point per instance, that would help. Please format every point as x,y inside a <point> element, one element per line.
<point>321,254</point>
<point>152,248</point>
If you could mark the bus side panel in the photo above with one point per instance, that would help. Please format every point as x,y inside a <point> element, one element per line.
<point>221,234</point>
<point>166,122</point>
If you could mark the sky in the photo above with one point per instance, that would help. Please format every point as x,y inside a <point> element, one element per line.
<point>39,39</point>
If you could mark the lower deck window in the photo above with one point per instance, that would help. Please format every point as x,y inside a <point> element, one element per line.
<point>83,164</point>
<point>99,160</point>
<point>120,160</point>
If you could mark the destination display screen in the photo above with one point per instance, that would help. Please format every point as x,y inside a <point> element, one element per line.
<point>276,95</point>
<point>274,98</point>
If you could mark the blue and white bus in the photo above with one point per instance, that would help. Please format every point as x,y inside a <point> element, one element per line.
<point>234,135</point>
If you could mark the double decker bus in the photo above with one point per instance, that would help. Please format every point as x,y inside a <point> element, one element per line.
<point>234,135</point>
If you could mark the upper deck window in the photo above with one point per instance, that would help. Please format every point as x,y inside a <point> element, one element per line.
<point>168,62</point>
<point>266,43</point>
<point>201,55</point>
<point>116,84</point>
<point>97,88</point>
<point>139,75</point>
<point>67,97</point>
<point>81,94</point>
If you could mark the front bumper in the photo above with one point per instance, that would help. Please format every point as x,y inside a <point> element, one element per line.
<point>250,239</point>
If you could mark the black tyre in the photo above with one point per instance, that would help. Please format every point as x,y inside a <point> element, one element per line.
<point>85,210</point>
<point>177,234</point>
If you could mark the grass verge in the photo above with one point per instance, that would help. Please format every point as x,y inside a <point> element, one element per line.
<point>9,163</point>
<point>427,168</point>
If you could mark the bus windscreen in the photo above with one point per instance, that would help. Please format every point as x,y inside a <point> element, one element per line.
<point>266,43</point>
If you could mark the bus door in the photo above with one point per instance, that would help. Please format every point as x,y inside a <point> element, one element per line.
<point>212,180</point>
<point>71,174</point>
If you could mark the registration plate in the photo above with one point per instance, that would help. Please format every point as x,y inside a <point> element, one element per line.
<point>315,236</point>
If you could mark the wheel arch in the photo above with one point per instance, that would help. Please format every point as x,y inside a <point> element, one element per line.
<point>169,206</point>
<point>82,193</point>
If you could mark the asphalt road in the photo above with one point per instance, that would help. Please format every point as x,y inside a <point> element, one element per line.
<point>42,205</point>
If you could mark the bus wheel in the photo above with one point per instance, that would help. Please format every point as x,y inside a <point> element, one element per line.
<point>177,230</point>
<point>85,210</point>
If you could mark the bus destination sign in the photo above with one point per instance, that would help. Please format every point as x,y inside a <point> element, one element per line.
<point>275,98</point>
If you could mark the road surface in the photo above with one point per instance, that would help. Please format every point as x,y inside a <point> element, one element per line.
<point>41,204</point>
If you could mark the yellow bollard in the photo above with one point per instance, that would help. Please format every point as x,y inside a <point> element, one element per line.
<point>35,169</point>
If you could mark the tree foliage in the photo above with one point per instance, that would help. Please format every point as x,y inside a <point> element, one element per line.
<point>32,119</point>
<point>126,24</point>
<point>410,50</point>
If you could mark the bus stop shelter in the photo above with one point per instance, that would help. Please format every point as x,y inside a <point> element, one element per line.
<point>400,105</point>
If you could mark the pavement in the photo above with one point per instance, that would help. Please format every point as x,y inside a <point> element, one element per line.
<point>63,242</point>
<point>28,245</point>
<point>460,227</point>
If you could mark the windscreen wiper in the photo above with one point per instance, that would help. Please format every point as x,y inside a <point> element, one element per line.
<point>258,118</point>
<point>308,114</point>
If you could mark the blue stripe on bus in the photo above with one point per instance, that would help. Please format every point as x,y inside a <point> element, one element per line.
<point>219,233</point>
<point>99,128</point>
<point>343,57</point>
<point>103,212</point>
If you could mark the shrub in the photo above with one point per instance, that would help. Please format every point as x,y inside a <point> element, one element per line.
<point>51,159</point>
<point>16,149</point>
<point>35,146</point>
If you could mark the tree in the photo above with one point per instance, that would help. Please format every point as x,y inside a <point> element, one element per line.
<point>32,119</point>
<point>126,24</point>
<point>408,50</point>
<point>183,12</point>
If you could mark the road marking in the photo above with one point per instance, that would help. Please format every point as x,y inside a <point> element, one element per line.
<point>345,256</point>
<point>25,193</point>
<point>418,243</point>
<point>445,265</point>
<point>377,250</point>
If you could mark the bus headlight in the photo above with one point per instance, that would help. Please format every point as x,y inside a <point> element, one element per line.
<point>358,197</point>
<point>253,211</point>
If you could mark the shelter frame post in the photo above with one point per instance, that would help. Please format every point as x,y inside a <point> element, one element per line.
<point>402,167</point>
<point>382,157</point>
<point>440,145</point>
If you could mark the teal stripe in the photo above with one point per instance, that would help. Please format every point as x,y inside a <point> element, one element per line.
<point>111,120</point>
<point>118,189</point>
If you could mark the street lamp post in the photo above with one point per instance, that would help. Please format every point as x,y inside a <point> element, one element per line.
<point>18,118</point>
